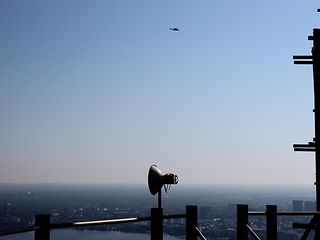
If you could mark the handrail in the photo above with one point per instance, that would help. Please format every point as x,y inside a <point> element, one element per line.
<point>199,234</point>
<point>97,222</point>
<point>252,233</point>
<point>110,221</point>
<point>271,214</point>
<point>43,227</point>
<point>89,223</point>
<point>23,230</point>
<point>285,213</point>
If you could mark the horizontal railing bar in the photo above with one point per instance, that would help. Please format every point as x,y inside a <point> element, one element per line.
<point>311,144</point>
<point>96,223</point>
<point>24,230</point>
<point>200,235</point>
<point>90,223</point>
<point>112,221</point>
<point>298,213</point>
<point>252,233</point>
<point>285,213</point>
<point>303,225</point>
<point>303,146</point>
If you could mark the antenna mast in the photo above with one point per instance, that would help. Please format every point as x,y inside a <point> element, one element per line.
<point>314,146</point>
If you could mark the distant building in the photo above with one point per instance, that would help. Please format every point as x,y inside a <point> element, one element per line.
<point>310,206</point>
<point>232,208</point>
<point>205,212</point>
<point>297,205</point>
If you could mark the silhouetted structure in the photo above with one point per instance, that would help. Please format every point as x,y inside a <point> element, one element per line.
<point>243,227</point>
<point>314,60</point>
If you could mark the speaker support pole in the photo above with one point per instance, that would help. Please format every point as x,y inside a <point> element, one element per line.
<point>159,199</point>
<point>156,224</point>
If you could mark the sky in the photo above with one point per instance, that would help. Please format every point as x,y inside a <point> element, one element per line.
<point>98,91</point>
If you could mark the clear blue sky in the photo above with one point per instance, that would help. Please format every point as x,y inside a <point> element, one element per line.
<point>97,91</point>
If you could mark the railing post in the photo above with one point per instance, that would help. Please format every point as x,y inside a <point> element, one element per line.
<point>191,222</point>
<point>43,222</point>
<point>272,221</point>
<point>156,224</point>
<point>242,221</point>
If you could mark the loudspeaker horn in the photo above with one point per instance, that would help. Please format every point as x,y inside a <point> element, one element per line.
<point>156,179</point>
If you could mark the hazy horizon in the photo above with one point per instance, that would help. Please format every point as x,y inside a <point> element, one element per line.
<point>98,91</point>
<point>179,185</point>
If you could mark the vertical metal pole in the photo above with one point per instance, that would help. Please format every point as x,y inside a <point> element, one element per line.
<point>242,221</point>
<point>156,224</point>
<point>272,222</point>
<point>43,222</point>
<point>316,80</point>
<point>159,199</point>
<point>191,222</point>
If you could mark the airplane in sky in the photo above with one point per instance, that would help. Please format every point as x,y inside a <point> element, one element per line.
<point>174,29</point>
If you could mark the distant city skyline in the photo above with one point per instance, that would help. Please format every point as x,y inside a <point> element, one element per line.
<point>97,91</point>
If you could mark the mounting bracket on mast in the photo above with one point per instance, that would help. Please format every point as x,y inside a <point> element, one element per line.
<point>304,57</point>
<point>310,147</point>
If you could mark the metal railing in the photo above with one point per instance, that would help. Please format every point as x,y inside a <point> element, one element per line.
<point>271,214</point>
<point>43,226</point>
